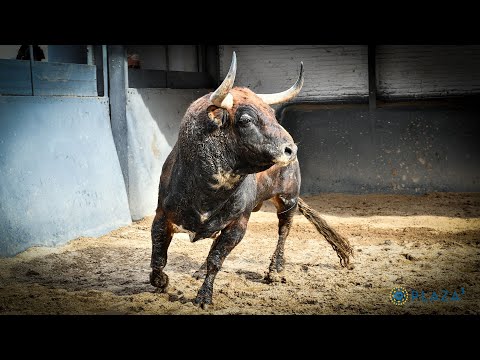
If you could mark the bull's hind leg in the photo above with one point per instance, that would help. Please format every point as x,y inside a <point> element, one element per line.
<point>228,239</point>
<point>162,233</point>
<point>286,207</point>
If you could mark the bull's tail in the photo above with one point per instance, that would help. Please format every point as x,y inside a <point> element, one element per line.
<point>340,244</point>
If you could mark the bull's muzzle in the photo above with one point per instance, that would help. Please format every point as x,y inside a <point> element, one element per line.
<point>287,155</point>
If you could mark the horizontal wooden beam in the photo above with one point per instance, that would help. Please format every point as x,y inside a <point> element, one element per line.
<point>64,79</point>
<point>48,78</point>
<point>144,78</point>
<point>139,78</point>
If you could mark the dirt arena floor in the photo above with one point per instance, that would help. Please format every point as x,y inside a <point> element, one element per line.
<point>427,242</point>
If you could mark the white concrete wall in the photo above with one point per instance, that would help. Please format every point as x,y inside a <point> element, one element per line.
<point>10,51</point>
<point>331,71</point>
<point>334,71</point>
<point>420,71</point>
<point>153,117</point>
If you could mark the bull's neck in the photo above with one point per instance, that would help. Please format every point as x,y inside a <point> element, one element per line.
<point>214,173</point>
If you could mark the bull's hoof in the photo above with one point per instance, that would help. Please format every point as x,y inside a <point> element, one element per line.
<point>277,265</point>
<point>274,277</point>
<point>280,264</point>
<point>200,274</point>
<point>159,279</point>
<point>203,300</point>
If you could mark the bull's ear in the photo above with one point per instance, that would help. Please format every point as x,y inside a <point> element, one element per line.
<point>218,116</point>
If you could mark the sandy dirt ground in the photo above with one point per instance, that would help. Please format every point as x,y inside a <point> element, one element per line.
<point>428,242</point>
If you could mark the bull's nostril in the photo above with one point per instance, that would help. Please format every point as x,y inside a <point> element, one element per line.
<point>288,151</point>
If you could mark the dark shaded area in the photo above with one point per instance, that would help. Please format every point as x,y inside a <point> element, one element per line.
<point>91,269</point>
<point>24,53</point>
<point>252,276</point>
<point>464,205</point>
<point>76,54</point>
<point>404,147</point>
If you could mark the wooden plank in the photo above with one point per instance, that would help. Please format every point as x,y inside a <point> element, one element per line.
<point>189,80</point>
<point>64,79</point>
<point>139,78</point>
<point>15,77</point>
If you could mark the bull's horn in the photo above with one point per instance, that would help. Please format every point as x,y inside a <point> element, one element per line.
<point>287,94</point>
<point>221,97</point>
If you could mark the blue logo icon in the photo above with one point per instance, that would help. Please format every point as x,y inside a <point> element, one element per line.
<point>398,296</point>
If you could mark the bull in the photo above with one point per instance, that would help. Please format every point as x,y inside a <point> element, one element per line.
<point>231,155</point>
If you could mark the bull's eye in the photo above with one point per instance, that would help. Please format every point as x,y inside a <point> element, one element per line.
<point>245,119</point>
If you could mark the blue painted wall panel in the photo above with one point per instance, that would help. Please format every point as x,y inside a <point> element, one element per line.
<point>15,77</point>
<point>48,78</point>
<point>64,79</point>
<point>60,177</point>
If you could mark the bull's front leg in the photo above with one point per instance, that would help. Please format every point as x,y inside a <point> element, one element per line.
<point>223,245</point>
<point>202,271</point>
<point>162,233</point>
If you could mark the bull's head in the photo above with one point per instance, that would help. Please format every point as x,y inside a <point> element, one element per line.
<point>257,135</point>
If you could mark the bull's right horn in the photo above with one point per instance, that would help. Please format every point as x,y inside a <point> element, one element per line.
<point>286,95</point>
<point>222,97</point>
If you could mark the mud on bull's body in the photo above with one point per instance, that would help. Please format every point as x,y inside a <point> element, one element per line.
<point>231,155</point>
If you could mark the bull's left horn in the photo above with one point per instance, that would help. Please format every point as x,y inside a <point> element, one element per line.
<point>287,94</point>
<point>221,97</point>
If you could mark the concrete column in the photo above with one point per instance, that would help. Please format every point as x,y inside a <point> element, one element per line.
<point>118,83</point>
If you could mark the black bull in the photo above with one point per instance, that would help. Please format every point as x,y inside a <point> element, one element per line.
<point>231,155</point>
